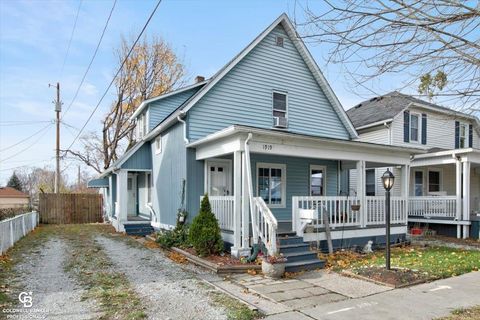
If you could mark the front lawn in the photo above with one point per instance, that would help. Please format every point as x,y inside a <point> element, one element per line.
<point>434,262</point>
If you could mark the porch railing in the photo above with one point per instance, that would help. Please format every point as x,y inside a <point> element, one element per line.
<point>265,224</point>
<point>441,206</point>
<point>375,210</point>
<point>223,209</point>
<point>339,210</point>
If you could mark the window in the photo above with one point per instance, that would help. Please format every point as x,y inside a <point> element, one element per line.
<point>418,183</point>
<point>279,41</point>
<point>158,144</point>
<point>463,136</point>
<point>414,125</point>
<point>141,125</point>
<point>271,184</point>
<point>433,181</point>
<point>279,105</point>
<point>370,185</point>
<point>317,180</point>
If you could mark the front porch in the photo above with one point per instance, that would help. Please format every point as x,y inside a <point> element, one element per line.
<point>259,181</point>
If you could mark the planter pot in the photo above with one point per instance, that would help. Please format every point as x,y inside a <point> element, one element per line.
<point>309,229</point>
<point>275,270</point>
<point>355,207</point>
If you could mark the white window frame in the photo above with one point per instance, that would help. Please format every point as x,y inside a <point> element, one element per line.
<point>158,144</point>
<point>419,127</point>
<point>440,181</point>
<point>286,102</point>
<point>374,179</point>
<point>324,176</point>
<point>281,166</point>
<point>465,137</point>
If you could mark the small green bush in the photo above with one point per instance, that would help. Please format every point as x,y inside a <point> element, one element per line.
<point>177,237</point>
<point>204,233</point>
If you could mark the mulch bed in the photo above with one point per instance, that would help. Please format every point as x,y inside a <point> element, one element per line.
<point>225,260</point>
<point>395,277</point>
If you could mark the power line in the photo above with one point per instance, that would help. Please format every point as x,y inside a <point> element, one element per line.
<point>15,122</point>
<point>31,145</point>
<point>27,138</point>
<point>91,60</point>
<point>27,165</point>
<point>71,37</point>
<point>116,74</point>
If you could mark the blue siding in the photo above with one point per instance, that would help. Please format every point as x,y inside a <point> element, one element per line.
<point>159,110</point>
<point>195,183</point>
<point>169,170</point>
<point>244,95</point>
<point>298,178</point>
<point>141,159</point>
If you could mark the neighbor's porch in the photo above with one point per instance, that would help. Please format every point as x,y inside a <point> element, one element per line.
<point>259,184</point>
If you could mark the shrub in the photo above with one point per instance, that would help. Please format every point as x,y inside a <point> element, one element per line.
<point>204,232</point>
<point>177,237</point>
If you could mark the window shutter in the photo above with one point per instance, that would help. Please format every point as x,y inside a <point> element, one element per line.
<point>424,128</point>
<point>470,136</point>
<point>406,126</point>
<point>457,134</point>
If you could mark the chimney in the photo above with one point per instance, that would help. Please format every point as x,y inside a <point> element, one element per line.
<point>199,79</point>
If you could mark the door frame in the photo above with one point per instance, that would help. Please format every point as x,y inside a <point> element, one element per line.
<point>208,162</point>
<point>134,177</point>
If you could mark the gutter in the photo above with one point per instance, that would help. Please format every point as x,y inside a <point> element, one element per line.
<point>165,125</point>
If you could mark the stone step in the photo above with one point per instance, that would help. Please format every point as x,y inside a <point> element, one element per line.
<point>291,248</point>
<point>304,265</point>
<point>301,256</point>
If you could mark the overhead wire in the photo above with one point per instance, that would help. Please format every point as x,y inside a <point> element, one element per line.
<point>71,37</point>
<point>27,138</point>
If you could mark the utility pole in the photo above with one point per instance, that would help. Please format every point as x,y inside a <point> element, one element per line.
<point>78,178</point>
<point>58,109</point>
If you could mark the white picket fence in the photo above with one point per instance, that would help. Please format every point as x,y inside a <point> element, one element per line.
<point>13,229</point>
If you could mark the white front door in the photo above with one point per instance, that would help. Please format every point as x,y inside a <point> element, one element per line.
<point>132,194</point>
<point>219,179</point>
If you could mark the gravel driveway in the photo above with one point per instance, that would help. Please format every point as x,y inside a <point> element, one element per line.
<point>42,272</point>
<point>169,291</point>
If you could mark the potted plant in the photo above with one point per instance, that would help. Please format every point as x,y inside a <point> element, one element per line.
<point>273,266</point>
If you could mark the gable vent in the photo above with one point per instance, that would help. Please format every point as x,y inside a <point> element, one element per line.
<point>279,41</point>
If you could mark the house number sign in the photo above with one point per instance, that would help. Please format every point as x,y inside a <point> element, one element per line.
<point>268,147</point>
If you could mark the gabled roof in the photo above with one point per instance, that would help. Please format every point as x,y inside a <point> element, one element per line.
<point>122,159</point>
<point>8,192</point>
<point>384,108</point>
<point>302,49</point>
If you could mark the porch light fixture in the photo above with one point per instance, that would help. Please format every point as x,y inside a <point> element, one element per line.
<point>388,180</point>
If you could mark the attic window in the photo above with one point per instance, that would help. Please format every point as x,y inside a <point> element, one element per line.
<point>279,41</point>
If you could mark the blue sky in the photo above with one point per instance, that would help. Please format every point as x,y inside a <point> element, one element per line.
<point>34,37</point>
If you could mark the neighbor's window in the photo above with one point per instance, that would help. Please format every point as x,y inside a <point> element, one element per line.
<point>463,136</point>
<point>414,125</point>
<point>158,144</point>
<point>370,182</point>
<point>418,183</point>
<point>279,105</point>
<point>433,181</point>
<point>271,184</point>
<point>317,181</point>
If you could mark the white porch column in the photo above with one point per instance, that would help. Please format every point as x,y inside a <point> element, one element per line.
<point>245,208</point>
<point>111,205</point>
<point>122,199</point>
<point>237,249</point>
<point>466,197</point>
<point>458,190</point>
<point>361,192</point>
<point>406,188</point>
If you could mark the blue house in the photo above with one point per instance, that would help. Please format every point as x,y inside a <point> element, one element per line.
<point>270,143</point>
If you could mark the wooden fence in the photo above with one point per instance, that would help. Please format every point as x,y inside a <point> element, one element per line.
<point>66,208</point>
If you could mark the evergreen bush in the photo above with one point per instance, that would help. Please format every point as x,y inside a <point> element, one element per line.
<point>204,232</point>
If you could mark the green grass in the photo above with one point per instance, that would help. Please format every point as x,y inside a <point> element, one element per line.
<point>464,314</point>
<point>437,262</point>
<point>235,310</point>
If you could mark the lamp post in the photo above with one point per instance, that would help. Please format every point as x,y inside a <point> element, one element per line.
<point>388,180</point>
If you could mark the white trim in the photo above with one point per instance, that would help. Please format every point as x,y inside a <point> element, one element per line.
<point>166,95</point>
<point>283,167</point>
<point>324,178</point>
<point>207,164</point>
<point>439,221</point>
<point>374,124</point>
<point>354,233</point>
<point>164,226</point>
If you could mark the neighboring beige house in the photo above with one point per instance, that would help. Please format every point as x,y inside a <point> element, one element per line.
<point>12,198</point>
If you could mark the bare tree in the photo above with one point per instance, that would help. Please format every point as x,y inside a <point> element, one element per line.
<point>152,69</point>
<point>435,43</point>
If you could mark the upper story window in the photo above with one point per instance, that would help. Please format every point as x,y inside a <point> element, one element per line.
<point>142,125</point>
<point>280,106</point>
<point>279,41</point>
<point>158,145</point>
<point>463,136</point>
<point>414,127</point>
<point>271,184</point>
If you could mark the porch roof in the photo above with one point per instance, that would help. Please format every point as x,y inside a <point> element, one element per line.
<point>292,144</point>
<point>447,156</point>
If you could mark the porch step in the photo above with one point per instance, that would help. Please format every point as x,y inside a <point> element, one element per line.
<point>304,265</point>
<point>292,248</point>
<point>290,240</point>
<point>143,229</point>
<point>301,256</point>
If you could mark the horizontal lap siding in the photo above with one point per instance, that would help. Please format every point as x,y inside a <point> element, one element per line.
<point>141,159</point>
<point>159,110</point>
<point>169,170</point>
<point>298,178</point>
<point>380,136</point>
<point>195,183</point>
<point>244,95</point>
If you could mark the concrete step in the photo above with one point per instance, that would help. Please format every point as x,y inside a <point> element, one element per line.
<point>304,265</point>
<point>290,240</point>
<point>301,256</point>
<point>291,248</point>
<point>138,229</point>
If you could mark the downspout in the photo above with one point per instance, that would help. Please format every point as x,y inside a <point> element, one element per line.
<point>248,170</point>
<point>184,129</point>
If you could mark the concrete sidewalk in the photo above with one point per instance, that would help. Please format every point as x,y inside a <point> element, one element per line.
<point>425,301</point>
